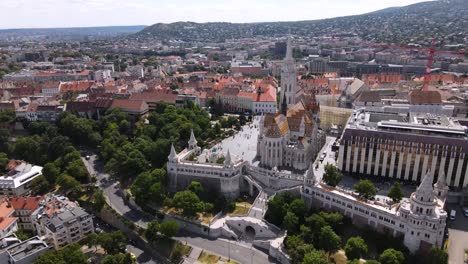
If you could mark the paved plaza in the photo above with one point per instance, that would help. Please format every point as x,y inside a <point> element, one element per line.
<point>242,145</point>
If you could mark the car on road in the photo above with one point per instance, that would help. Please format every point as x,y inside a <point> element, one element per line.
<point>87,157</point>
<point>453,214</point>
<point>322,157</point>
<point>465,211</point>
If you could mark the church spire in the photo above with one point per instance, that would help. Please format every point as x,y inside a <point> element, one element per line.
<point>192,141</point>
<point>289,54</point>
<point>173,154</point>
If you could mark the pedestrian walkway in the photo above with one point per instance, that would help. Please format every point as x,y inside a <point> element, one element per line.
<point>193,256</point>
<point>259,206</point>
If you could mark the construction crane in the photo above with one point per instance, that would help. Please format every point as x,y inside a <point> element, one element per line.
<point>430,60</point>
<point>431,52</point>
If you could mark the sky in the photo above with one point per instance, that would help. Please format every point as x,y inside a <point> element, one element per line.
<point>88,13</point>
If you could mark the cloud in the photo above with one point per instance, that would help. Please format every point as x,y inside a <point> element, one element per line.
<point>68,13</point>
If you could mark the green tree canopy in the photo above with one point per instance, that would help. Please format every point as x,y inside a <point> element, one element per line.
<point>332,176</point>
<point>395,192</point>
<point>151,232</point>
<point>290,222</point>
<point>188,202</point>
<point>299,208</point>
<point>169,228</point>
<point>391,256</point>
<point>328,239</point>
<point>196,187</point>
<point>113,243</point>
<point>355,248</point>
<point>365,188</point>
<point>316,257</point>
<point>437,256</point>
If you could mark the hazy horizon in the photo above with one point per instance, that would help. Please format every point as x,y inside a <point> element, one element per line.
<point>21,14</point>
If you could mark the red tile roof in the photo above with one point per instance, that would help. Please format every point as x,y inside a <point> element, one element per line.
<point>30,203</point>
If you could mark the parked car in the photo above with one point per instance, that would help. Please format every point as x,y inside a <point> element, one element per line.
<point>87,157</point>
<point>465,211</point>
<point>453,213</point>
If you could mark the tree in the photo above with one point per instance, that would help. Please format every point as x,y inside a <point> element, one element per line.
<point>92,240</point>
<point>49,257</point>
<point>437,256</point>
<point>277,209</point>
<point>298,207</point>
<point>395,192</point>
<point>151,232</point>
<point>328,239</point>
<point>332,176</point>
<point>316,257</point>
<point>120,258</point>
<point>40,185</point>
<point>72,254</point>
<point>290,222</point>
<point>69,184</point>
<point>355,248</point>
<point>51,172</point>
<point>169,228</point>
<point>3,161</point>
<point>188,202</point>
<point>391,256</point>
<point>365,188</point>
<point>333,219</point>
<point>315,222</point>
<point>98,200</point>
<point>196,187</point>
<point>112,243</point>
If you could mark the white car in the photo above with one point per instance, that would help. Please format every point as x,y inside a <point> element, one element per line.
<point>453,213</point>
<point>465,211</point>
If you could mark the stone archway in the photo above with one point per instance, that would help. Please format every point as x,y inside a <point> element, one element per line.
<point>250,233</point>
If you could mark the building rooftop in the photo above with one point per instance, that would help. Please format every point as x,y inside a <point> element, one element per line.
<point>27,248</point>
<point>19,173</point>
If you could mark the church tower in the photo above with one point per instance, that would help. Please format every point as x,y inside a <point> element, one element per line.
<point>288,79</point>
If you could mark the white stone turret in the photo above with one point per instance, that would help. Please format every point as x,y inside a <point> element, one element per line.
<point>425,192</point>
<point>172,158</point>
<point>228,160</point>
<point>310,176</point>
<point>440,187</point>
<point>192,144</point>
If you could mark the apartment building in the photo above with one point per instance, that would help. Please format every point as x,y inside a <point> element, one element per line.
<point>62,221</point>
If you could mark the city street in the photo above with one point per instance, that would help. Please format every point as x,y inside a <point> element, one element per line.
<point>239,252</point>
<point>112,192</point>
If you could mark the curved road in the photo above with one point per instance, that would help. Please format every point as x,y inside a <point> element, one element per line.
<point>243,253</point>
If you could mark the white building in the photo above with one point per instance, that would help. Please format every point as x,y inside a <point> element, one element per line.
<point>404,147</point>
<point>183,168</point>
<point>136,71</point>
<point>102,75</point>
<point>19,177</point>
<point>26,251</point>
<point>62,221</point>
<point>419,220</point>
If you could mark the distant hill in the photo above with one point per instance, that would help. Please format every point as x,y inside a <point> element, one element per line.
<point>76,31</point>
<point>445,19</point>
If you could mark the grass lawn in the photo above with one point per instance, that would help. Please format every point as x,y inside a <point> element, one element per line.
<point>203,217</point>
<point>208,258</point>
<point>242,208</point>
